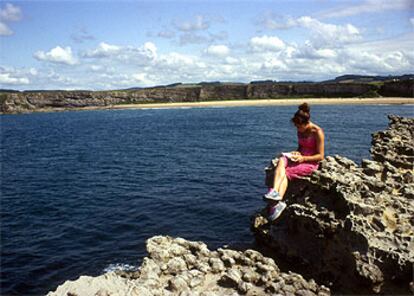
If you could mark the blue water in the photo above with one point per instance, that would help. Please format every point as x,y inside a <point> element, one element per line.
<point>82,191</point>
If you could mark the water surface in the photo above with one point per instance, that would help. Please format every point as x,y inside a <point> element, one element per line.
<point>82,191</point>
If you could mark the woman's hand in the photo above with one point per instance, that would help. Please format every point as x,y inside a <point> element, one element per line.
<point>298,158</point>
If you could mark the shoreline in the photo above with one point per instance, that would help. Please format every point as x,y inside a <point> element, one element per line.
<point>268,102</point>
<point>236,103</point>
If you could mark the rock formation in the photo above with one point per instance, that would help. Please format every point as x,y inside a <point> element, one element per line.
<point>18,102</point>
<point>403,88</point>
<point>175,266</point>
<point>352,227</point>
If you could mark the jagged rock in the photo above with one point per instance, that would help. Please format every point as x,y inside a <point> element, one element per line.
<point>351,227</point>
<point>178,284</point>
<point>178,278</point>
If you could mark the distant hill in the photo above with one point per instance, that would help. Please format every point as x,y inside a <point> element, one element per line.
<point>2,90</point>
<point>349,78</point>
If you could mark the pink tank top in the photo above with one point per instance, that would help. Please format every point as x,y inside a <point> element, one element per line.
<point>307,145</point>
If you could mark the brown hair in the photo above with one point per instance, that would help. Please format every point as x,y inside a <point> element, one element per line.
<point>302,116</point>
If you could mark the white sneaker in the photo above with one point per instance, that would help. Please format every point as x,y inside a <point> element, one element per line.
<point>276,211</point>
<point>272,195</point>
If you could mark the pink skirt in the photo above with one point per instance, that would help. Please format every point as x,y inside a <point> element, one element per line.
<point>295,169</point>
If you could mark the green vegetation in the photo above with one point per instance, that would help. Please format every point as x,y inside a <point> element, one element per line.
<point>370,94</point>
<point>3,97</point>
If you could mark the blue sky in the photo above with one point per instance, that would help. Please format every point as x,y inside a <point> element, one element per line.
<point>102,45</point>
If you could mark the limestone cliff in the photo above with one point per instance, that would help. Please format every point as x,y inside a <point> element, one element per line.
<point>351,227</point>
<point>17,102</point>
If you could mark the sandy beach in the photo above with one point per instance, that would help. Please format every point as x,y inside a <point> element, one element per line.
<point>242,103</point>
<point>269,102</point>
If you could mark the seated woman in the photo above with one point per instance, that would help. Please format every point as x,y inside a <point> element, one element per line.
<point>302,162</point>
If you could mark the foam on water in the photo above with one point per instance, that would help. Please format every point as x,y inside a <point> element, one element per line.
<point>120,267</point>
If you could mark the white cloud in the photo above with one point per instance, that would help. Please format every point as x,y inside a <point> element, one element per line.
<point>274,63</point>
<point>103,50</point>
<point>6,78</point>
<point>33,71</point>
<point>367,6</point>
<point>308,51</point>
<point>175,60</point>
<point>128,55</point>
<point>168,34</point>
<point>232,60</point>
<point>412,21</point>
<point>9,13</point>
<point>12,76</point>
<point>276,22</point>
<point>5,30</point>
<point>199,23</point>
<point>322,34</point>
<point>150,49</point>
<point>266,43</point>
<point>218,50</point>
<point>192,38</point>
<point>142,79</point>
<point>201,38</point>
<point>378,61</point>
<point>57,55</point>
<point>96,68</point>
<point>262,57</point>
<point>329,34</point>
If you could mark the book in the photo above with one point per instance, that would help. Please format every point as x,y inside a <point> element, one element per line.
<point>288,155</point>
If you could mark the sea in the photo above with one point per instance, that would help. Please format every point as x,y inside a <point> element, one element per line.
<point>82,191</point>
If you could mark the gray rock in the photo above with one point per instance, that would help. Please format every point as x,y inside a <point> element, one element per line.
<point>243,287</point>
<point>250,276</point>
<point>358,218</point>
<point>217,265</point>
<point>176,265</point>
<point>177,284</point>
<point>231,278</point>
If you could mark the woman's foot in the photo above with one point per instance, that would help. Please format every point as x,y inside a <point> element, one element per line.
<point>272,195</point>
<point>276,211</point>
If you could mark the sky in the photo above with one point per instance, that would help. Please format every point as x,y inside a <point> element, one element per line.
<point>104,45</point>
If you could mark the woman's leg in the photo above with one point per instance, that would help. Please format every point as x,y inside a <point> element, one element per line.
<point>280,174</point>
<point>283,186</point>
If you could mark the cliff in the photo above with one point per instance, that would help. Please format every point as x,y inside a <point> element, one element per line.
<point>351,227</point>
<point>18,102</point>
<point>175,266</point>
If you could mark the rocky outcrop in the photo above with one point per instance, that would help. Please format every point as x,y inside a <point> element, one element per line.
<point>223,92</point>
<point>64,100</point>
<point>266,90</point>
<point>175,266</point>
<point>17,102</point>
<point>352,227</point>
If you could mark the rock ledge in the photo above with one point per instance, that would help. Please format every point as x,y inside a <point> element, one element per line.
<point>175,266</point>
<point>352,227</point>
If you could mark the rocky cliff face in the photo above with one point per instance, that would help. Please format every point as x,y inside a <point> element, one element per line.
<point>351,227</point>
<point>181,267</point>
<point>223,92</point>
<point>34,101</point>
<point>404,88</point>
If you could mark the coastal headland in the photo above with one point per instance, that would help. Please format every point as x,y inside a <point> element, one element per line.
<point>211,94</point>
